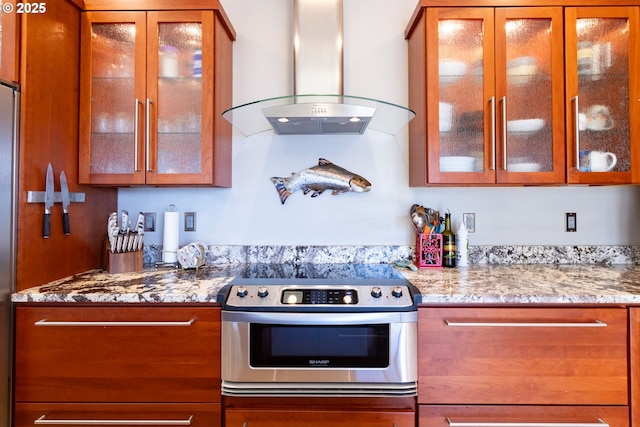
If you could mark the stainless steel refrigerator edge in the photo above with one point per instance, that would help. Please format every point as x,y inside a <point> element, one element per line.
<point>9,113</point>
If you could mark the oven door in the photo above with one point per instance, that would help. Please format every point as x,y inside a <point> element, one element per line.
<point>275,353</point>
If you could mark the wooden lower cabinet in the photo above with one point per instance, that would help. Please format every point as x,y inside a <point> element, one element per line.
<point>193,415</point>
<point>317,418</point>
<point>112,364</point>
<point>319,411</point>
<point>523,356</point>
<point>524,416</point>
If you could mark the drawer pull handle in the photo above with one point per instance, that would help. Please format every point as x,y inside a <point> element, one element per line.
<point>42,420</point>
<point>596,324</point>
<point>600,423</point>
<point>45,322</point>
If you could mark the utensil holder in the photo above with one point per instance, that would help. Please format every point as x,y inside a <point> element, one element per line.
<point>428,250</point>
<point>121,262</point>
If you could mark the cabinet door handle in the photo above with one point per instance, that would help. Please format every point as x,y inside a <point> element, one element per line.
<point>43,421</point>
<point>147,141</point>
<point>492,101</point>
<point>45,322</point>
<point>576,121</point>
<point>136,127</point>
<point>600,423</point>
<point>504,132</point>
<point>595,324</point>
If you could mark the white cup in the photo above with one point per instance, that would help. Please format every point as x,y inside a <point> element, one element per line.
<point>599,118</point>
<point>600,161</point>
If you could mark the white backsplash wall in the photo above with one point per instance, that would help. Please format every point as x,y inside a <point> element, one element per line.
<point>250,213</point>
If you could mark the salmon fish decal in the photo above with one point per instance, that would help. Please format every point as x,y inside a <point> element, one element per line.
<point>324,176</point>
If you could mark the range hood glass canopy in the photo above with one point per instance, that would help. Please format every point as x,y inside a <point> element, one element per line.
<point>318,115</point>
<point>318,105</point>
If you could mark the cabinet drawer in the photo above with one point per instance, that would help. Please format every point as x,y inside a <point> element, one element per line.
<point>508,416</point>
<point>320,418</point>
<point>117,354</point>
<point>64,414</point>
<point>523,356</point>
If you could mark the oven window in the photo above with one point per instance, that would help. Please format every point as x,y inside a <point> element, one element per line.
<point>319,346</point>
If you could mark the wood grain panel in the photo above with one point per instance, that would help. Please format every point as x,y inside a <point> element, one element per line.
<point>561,365</point>
<point>130,363</point>
<point>199,415</point>
<point>296,417</point>
<point>10,52</point>
<point>440,416</point>
<point>50,49</point>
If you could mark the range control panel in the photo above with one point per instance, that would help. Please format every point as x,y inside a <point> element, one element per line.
<point>262,294</point>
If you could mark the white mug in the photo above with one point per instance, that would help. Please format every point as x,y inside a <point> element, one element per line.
<point>599,118</point>
<point>597,161</point>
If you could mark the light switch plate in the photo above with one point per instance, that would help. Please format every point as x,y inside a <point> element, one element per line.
<point>571,224</point>
<point>149,221</point>
<point>189,221</point>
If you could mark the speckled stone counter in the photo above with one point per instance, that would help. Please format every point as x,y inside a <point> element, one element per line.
<point>153,285</point>
<point>477,284</point>
<point>529,284</point>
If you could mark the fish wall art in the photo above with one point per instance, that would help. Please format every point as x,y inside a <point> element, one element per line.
<point>317,179</point>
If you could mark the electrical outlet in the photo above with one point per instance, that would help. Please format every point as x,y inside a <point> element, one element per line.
<point>571,223</point>
<point>469,220</point>
<point>149,221</point>
<point>189,221</point>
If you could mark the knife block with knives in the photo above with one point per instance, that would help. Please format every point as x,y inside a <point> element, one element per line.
<point>123,247</point>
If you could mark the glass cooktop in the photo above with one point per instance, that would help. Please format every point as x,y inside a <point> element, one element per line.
<point>319,271</point>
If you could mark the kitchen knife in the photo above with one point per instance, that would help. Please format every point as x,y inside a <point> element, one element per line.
<point>48,202</point>
<point>64,188</point>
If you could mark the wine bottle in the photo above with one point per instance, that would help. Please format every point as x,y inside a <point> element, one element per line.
<point>448,243</point>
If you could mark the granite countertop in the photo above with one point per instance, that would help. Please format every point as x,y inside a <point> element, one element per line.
<point>476,284</point>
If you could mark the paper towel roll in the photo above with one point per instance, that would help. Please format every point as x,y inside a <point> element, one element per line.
<point>171,236</point>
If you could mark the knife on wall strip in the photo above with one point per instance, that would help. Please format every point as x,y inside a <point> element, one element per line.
<point>64,189</point>
<point>48,202</point>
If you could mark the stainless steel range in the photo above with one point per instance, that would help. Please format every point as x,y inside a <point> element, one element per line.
<point>346,331</point>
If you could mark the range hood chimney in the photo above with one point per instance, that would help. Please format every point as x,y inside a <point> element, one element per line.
<point>318,106</point>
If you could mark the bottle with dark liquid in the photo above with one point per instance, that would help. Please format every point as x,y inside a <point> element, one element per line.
<point>448,243</point>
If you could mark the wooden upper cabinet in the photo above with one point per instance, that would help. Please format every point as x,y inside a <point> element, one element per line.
<point>487,87</point>
<point>9,52</point>
<point>153,87</point>
<point>602,95</point>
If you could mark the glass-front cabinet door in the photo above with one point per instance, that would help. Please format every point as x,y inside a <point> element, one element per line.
<point>498,116</point>
<point>602,74</point>
<point>147,98</point>
<point>180,96</point>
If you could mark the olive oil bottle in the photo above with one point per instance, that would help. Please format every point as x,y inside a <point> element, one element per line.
<point>448,243</point>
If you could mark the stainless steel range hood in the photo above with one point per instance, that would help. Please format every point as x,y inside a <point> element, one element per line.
<point>318,105</point>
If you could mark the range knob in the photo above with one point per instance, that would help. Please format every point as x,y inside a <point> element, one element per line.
<point>263,291</point>
<point>347,299</point>
<point>396,291</point>
<point>242,291</point>
<point>376,292</point>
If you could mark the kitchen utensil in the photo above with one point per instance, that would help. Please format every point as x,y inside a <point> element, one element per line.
<point>48,202</point>
<point>419,218</point>
<point>124,222</point>
<point>64,189</point>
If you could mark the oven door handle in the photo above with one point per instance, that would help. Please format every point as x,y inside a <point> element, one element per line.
<point>306,318</point>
